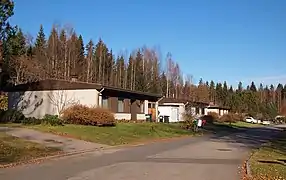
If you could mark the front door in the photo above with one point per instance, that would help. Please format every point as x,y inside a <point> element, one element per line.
<point>174,114</point>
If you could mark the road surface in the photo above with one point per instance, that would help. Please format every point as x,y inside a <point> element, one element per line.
<point>212,157</point>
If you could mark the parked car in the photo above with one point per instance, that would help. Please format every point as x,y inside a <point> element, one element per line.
<point>266,122</point>
<point>251,120</point>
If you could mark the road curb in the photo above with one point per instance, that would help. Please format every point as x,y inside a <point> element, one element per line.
<point>248,168</point>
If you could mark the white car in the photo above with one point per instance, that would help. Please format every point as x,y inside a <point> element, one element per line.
<point>266,122</point>
<point>251,120</point>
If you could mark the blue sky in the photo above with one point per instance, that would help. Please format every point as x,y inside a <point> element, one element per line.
<point>216,40</point>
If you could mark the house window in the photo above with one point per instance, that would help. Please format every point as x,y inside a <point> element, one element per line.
<point>120,107</point>
<point>197,110</point>
<point>105,102</point>
<point>203,111</point>
<point>151,105</point>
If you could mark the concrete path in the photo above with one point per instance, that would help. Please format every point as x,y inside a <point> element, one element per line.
<point>215,157</point>
<point>50,140</point>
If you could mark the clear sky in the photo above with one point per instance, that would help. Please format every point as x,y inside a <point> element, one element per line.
<point>216,40</point>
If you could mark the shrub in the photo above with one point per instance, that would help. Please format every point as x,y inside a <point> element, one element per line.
<point>52,120</point>
<point>104,117</point>
<point>188,122</point>
<point>80,114</point>
<point>31,121</point>
<point>211,117</point>
<point>12,116</point>
<point>3,102</point>
<point>230,117</point>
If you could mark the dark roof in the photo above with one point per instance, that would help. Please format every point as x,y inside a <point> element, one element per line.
<point>52,84</point>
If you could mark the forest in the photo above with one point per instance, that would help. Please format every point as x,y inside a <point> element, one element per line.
<point>62,54</point>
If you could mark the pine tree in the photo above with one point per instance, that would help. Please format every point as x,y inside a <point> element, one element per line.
<point>6,31</point>
<point>212,91</point>
<point>63,62</point>
<point>90,64</point>
<point>52,54</point>
<point>239,87</point>
<point>40,50</point>
<point>80,60</point>
<point>253,87</point>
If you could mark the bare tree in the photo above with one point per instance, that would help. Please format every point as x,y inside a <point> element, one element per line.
<point>61,100</point>
<point>24,69</point>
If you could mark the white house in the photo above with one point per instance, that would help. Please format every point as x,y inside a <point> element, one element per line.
<point>175,108</point>
<point>216,109</point>
<point>53,96</point>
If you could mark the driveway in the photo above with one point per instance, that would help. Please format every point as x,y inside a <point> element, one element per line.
<point>213,157</point>
<point>68,145</point>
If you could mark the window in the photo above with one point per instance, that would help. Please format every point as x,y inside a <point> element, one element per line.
<point>197,110</point>
<point>104,102</point>
<point>120,107</point>
<point>151,105</point>
<point>203,111</point>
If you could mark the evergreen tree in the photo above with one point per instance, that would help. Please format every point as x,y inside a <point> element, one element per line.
<point>253,87</point>
<point>239,87</point>
<point>212,91</point>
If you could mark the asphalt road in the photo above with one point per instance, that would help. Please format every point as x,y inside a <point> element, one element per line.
<point>211,157</point>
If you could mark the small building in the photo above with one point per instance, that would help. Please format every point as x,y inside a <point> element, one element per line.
<point>175,108</point>
<point>53,96</point>
<point>217,109</point>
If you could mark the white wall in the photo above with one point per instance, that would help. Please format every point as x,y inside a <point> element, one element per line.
<point>122,116</point>
<point>167,111</point>
<point>127,116</point>
<point>38,103</point>
<point>182,111</point>
<point>211,110</point>
<point>222,112</point>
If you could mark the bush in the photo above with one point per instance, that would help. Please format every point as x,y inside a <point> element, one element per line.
<point>211,117</point>
<point>31,121</point>
<point>3,102</point>
<point>231,117</point>
<point>52,120</point>
<point>11,116</point>
<point>189,122</point>
<point>80,114</point>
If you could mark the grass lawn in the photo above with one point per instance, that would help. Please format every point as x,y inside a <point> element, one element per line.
<point>269,162</point>
<point>245,124</point>
<point>122,133</point>
<point>13,150</point>
<point>240,124</point>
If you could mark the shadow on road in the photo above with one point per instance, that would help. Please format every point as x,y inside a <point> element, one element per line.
<point>248,137</point>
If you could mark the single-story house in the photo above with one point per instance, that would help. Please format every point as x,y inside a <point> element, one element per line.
<point>53,96</point>
<point>217,109</point>
<point>175,108</point>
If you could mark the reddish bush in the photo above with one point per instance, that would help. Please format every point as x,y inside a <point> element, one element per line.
<point>230,117</point>
<point>80,114</point>
<point>213,115</point>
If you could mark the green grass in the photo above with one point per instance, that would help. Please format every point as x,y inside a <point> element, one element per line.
<point>245,124</point>
<point>13,150</point>
<point>266,161</point>
<point>240,124</point>
<point>122,133</point>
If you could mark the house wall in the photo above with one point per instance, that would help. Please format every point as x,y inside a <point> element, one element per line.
<point>217,110</point>
<point>39,103</point>
<point>127,116</point>
<point>211,110</point>
<point>166,110</point>
<point>128,104</point>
